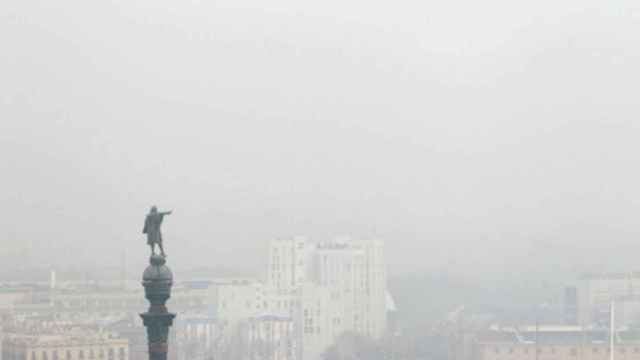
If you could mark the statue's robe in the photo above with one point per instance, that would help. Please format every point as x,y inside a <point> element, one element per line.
<point>152,228</point>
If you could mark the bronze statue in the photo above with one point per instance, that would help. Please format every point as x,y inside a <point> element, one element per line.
<point>152,229</point>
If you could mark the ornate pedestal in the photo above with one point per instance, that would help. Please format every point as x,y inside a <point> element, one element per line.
<point>157,280</point>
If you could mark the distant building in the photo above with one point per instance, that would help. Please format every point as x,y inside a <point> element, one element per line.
<point>596,292</point>
<point>111,301</point>
<point>329,288</point>
<point>136,337</point>
<point>570,305</point>
<point>198,336</point>
<point>554,343</point>
<point>288,264</point>
<point>234,301</point>
<point>64,346</point>
<point>355,271</point>
<point>319,320</point>
<point>270,338</point>
<point>12,296</point>
<point>202,330</point>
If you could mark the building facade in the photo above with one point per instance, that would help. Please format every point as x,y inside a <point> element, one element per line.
<point>596,292</point>
<point>328,289</point>
<point>288,264</point>
<point>271,338</point>
<point>555,343</point>
<point>69,346</point>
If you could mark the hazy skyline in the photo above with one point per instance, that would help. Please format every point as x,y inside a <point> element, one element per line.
<point>470,133</point>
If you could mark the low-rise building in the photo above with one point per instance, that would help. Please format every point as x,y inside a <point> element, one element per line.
<point>271,337</point>
<point>76,345</point>
<point>198,336</point>
<point>555,343</point>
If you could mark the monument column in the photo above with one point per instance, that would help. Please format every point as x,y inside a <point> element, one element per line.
<point>157,281</point>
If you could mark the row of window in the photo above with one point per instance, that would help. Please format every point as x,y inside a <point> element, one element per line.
<point>80,354</point>
<point>572,351</point>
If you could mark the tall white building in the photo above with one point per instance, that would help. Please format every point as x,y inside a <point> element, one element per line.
<point>333,287</point>
<point>318,320</point>
<point>288,264</point>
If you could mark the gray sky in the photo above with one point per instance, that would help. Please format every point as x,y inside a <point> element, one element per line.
<point>477,133</point>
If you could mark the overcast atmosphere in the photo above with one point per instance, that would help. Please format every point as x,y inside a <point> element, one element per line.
<point>467,135</point>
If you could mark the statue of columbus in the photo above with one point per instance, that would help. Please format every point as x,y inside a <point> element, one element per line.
<point>152,225</point>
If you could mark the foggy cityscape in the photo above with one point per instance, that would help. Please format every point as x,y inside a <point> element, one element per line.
<point>336,180</point>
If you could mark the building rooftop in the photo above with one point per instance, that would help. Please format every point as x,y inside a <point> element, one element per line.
<point>555,335</point>
<point>611,276</point>
<point>70,338</point>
